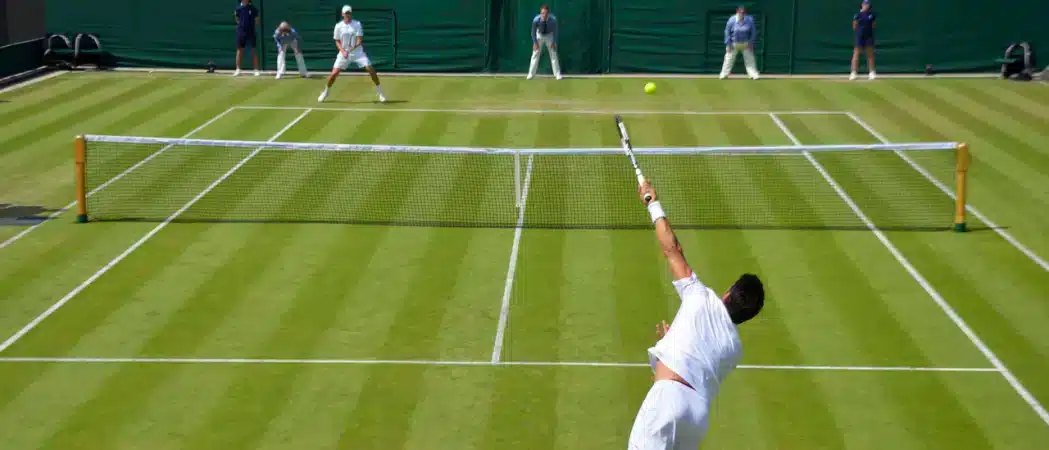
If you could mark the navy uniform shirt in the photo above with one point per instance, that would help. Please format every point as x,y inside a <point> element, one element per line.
<point>864,23</point>
<point>246,16</point>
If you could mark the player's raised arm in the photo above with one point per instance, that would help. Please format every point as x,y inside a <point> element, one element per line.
<point>665,234</point>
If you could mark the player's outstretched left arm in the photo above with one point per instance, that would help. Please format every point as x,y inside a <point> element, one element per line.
<point>665,234</point>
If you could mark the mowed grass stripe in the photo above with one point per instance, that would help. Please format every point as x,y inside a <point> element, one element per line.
<point>989,154</point>
<point>1009,194</point>
<point>49,177</point>
<point>588,318</point>
<point>1004,183</point>
<point>1003,314</point>
<point>382,416</point>
<point>973,116</point>
<point>416,328</point>
<point>24,155</point>
<point>362,316</point>
<point>718,258</point>
<point>872,322</point>
<point>883,277</point>
<point>54,247</point>
<point>307,314</point>
<point>28,291</point>
<point>59,189</point>
<point>1034,118</point>
<point>39,99</point>
<point>718,265</point>
<point>187,170</point>
<point>534,327</point>
<point>110,395</point>
<point>115,338</point>
<point>734,419</point>
<point>314,411</point>
<point>84,323</point>
<point>1024,107</point>
<point>875,179</point>
<point>185,329</point>
<point>47,123</point>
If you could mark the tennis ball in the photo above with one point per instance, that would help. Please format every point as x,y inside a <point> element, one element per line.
<point>650,88</point>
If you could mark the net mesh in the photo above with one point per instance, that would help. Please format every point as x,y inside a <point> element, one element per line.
<point>153,179</point>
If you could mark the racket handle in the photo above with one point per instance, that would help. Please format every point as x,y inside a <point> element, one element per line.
<point>641,181</point>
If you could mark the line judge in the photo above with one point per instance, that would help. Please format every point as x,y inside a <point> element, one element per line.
<point>740,33</point>
<point>247,17</point>
<point>544,33</point>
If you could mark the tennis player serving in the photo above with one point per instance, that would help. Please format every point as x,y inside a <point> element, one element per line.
<point>695,353</point>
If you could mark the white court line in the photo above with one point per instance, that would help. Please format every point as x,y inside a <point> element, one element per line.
<point>665,112</point>
<point>51,310</point>
<point>147,360</point>
<point>504,312</point>
<point>936,297</point>
<point>120,175</point>
<point>997,229</point>
<point>30,81</point>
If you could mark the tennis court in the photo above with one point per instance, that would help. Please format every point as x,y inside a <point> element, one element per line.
<point>228,299</point>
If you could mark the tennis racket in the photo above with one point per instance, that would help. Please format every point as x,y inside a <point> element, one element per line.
<point>624,139</point>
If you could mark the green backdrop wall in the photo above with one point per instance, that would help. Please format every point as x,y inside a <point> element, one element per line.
<point>796,36</point>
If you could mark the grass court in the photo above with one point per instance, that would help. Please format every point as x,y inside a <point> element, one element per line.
<point>289,331</point>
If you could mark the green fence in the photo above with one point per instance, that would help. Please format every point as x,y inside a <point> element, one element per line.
<point>597,36</point>
<point>21,56</point>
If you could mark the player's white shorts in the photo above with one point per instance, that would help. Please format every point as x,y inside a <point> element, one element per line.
<point>673,416</point>
<point>357,57</point>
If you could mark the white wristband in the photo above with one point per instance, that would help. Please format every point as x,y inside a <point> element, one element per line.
<point>656,211</point>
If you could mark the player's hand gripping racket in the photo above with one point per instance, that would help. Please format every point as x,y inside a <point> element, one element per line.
<point>624,139</point>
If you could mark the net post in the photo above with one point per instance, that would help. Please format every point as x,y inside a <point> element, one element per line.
<point>961,174</point>
<point>80,157</point>
<point>517,179</point>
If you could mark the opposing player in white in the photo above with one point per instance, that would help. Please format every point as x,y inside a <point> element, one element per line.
<point>695,353</point>
<point>287,38</point>
<point>348,37</point>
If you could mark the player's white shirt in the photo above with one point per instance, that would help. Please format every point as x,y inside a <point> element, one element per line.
<point>347,34</point>
<point>703,344</point>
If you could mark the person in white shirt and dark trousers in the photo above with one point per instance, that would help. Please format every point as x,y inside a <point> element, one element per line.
<point>740,33</point>
<point>544,33</point>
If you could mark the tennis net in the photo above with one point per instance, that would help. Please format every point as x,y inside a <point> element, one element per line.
<point>122,178</point>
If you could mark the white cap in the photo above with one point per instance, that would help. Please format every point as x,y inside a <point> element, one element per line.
<point>346,9</point>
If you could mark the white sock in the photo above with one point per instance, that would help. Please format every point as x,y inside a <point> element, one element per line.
<point>379,88</point>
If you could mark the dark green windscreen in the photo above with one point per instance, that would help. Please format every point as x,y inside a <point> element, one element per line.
<point>797,36</point>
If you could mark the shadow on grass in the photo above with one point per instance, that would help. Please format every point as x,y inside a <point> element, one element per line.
<point>544,226</point>
<point>15,215</point>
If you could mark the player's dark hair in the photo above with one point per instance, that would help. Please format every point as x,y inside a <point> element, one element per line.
<point>745,298</point>
<point>541,8</point>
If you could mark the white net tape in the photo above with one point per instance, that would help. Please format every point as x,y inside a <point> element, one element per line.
<point>763,149</point>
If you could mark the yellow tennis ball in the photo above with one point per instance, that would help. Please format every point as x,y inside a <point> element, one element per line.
<point>650,88</point>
